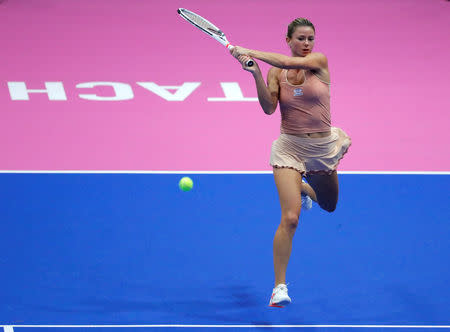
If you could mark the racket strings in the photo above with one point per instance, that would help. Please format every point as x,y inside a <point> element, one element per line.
<point>204,24</point>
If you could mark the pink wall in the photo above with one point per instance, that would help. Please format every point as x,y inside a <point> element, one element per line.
<point>388,60</point>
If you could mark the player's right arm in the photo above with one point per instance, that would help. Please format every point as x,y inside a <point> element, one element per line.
<point>269,103</point>
<point>267,94</point>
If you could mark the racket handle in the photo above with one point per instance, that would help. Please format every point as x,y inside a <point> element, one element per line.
<point>249,63</point>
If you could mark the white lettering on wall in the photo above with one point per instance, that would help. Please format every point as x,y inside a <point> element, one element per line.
<point>122,91</point>
<point>181,92</point>
<point>232,92</point>
<point>19,91</point>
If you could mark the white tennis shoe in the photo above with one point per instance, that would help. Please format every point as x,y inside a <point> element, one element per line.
<point>306,202</point>
<point>280,297</point>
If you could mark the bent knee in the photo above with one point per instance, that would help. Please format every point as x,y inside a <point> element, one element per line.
<point>329,207</point>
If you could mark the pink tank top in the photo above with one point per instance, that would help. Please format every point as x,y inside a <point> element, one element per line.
<point>305,108</point>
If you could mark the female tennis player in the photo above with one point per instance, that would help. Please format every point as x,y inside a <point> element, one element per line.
<point>308,145</point>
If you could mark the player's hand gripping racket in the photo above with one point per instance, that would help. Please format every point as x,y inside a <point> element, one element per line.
<point>208,28</point>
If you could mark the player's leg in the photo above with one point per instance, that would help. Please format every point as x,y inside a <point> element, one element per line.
<point>309,191</point>
<point>288,185</point>
<point>326,188</point>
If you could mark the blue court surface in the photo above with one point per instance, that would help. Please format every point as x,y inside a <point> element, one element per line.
<point>135,252</point>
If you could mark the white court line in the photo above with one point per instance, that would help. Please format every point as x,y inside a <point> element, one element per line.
<point>9,328</point>
<point>208,172</point>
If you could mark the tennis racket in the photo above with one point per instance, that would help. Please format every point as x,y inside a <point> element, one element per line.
<point>208,28</point>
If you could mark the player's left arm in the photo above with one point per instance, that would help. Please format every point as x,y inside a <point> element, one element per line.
<point>312,61</point>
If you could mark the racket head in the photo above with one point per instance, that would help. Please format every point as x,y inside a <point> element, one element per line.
<point>207,27</point>
<point>204,25</point>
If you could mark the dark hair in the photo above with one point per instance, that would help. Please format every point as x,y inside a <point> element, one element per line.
<point>299,22</point>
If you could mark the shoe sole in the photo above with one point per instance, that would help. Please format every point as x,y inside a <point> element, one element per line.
<point>281,304</point>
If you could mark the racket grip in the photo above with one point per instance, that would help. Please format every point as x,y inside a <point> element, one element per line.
<point>249,63</point>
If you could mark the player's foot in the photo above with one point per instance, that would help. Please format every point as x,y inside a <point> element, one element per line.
<point>280,297</point>
<point>306,202</point>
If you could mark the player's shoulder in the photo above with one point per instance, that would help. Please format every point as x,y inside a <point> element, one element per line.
<point>319,57</point>
<point>274,72</point>
<point>319,54</point>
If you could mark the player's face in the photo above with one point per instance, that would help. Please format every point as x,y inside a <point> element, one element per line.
<point>302,41</point>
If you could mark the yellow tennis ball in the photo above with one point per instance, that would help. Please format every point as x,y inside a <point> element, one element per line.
<point>186,183</point>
